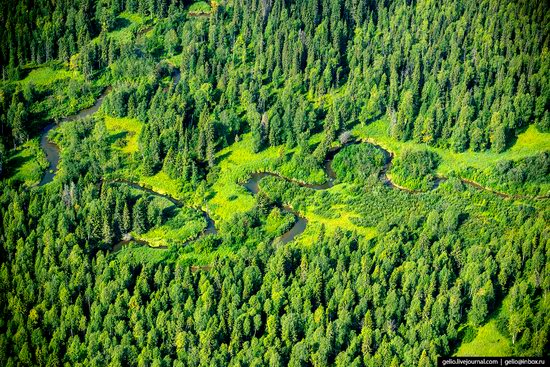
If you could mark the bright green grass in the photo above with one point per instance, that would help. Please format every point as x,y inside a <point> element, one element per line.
<point>124,133</point>
<point>27,163</point>
<point>199,7</point>
<point>132,17</point>
<point>313,230</point>
<point>124,34</point>
<point>277,220</point>
<point>175,60</point>
<point>138,254</point>
<point>342,219</point>
<point>338,216</point>
<point>236,163</point>
<point>185,225</point>
<point>128,22</point>
<point>46,75</point>
<point>528,143</point>
<point>162,184</point>
<point>488,342</point>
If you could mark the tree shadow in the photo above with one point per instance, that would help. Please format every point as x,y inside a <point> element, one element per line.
<point>169,213</point>
<point>121,23</point>
<point>210,195</point>
<point>462,217</point>
<point>223,156</point>
<point>114,137</point>
<point>15,162</point>
<point>512,136</point>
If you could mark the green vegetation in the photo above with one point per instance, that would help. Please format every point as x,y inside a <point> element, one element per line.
<point>124,133</point>
<point>488,342</point>
<point>270,166</point>
<point>27,163</point>
<point>126,24</point>
<point>199,7</point>
<point>278,222</point>
<point>358,162</point>
<point>469,164</point>
<point>415,169</point>
<point>134,253</point>
<point>183,226</point>
<point>46,76</point>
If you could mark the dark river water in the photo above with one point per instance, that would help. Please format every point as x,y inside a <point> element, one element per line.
<point>51,149</point>
<point>299,226</point>
<point>52,155</point>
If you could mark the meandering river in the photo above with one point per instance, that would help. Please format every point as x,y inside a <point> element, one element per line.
<point>52,154</point>
<point>51,149</point>
<point>299,226</point>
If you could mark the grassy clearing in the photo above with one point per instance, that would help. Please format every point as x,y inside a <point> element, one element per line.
<point>488,342</point>
<point>185,225</point>
<point>278,221</point>
<point>236,163</point>
<point>162,184</point>
<point>44,76</point>
<point>313,230</point>
<point>129,21</point>
<point>338,215</point>
<point>175,60</point>
<point>138,254</point>
<point>341,219</point>
<point>125,24</point>
<point>199,7</point>
<point>27,163</point>
<point>124,133</point>
<point>528,143</point>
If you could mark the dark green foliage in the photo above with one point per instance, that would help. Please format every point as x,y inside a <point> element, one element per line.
<point>434,84</point>
<point>342,300</point>
<point>2,158</point>
<point>534,169</point>
<point>358,162</point>
<point>529,175</point>
<point>456,74</point>
<point>416,169</point>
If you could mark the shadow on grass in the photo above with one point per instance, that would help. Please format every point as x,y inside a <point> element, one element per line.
<point>16,162</point>
<point>223,156</point>
<point>169,213</point>
<point>121,23</point>
<point>114,137</point>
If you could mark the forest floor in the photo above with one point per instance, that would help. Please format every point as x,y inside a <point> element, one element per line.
<point>124,133</point>
<point>488,342</point>
<point>27,163</point>
<point>528,143</point>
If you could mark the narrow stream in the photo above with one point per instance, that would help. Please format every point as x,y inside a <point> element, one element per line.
<point>52,155</point>
<point>51,149</point>
<point>299,226</point>
<point>210,224</point>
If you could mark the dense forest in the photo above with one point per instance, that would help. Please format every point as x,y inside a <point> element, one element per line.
<point>273,182</point>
